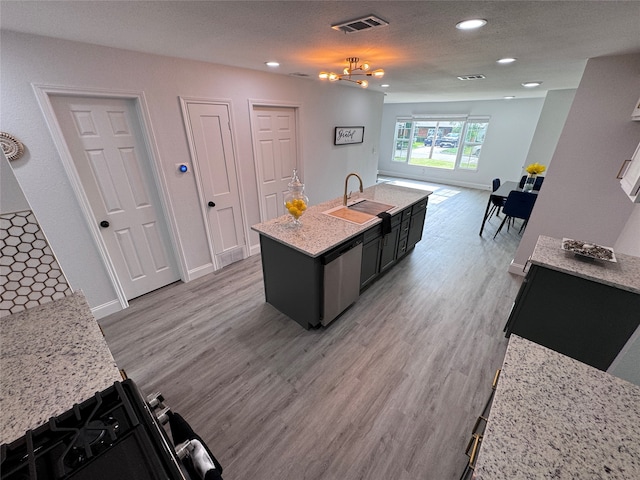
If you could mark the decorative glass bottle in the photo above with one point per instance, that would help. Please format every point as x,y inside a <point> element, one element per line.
<point>295,201</point>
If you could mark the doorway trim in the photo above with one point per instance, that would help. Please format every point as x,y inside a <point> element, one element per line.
<point>184,102</point>
<point>254,139</point>
<point>43,92</point>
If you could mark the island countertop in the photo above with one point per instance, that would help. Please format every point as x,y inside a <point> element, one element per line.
<point>52,356</point>
<point>320,232</point>
<point>623,274</point>
<point>555,417</point>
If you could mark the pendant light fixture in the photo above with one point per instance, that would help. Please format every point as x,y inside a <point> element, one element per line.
<point>354,69</point>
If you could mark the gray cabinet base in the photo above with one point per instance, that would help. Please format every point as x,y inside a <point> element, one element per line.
<point>292,282</point>
<point>582,319</point>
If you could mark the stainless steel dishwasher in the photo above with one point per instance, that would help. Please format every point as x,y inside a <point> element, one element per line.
<point>341,279</point>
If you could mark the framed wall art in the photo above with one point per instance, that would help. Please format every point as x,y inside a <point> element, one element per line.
<point>348,135</point>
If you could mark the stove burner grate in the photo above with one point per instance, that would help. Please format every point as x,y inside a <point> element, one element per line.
<point>111,435</point>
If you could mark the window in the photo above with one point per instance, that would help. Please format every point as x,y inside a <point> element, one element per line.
<point>440,142</point>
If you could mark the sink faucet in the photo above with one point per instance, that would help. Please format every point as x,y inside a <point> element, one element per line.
<point>346,183</point>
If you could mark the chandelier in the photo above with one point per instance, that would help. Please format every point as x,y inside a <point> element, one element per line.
<point>354,69</point>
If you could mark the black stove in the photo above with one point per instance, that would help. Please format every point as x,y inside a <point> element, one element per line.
<point>113,435</point>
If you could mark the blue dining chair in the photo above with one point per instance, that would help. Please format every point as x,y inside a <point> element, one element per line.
<point>518,205</point>
<point>496,202</point>
<point>522,180</point>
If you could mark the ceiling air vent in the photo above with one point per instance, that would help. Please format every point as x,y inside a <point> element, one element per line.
<point>360,24</point>
<point>472,77</point>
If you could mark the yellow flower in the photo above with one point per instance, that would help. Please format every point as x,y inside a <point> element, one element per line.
<point>535,168</point>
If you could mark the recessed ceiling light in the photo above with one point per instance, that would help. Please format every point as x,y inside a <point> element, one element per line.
<point>507,60</point>
<point>471,24</point>
<point>509,97</point>
<point>531,84</point>
<point>272,64</point>
<point>385,85</point>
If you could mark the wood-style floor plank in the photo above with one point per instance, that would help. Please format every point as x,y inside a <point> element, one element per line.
<point>390,390</point>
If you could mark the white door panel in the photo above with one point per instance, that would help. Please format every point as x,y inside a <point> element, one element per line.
<point>275,138</point>
<point>208,125</point>
<point>108,151</point>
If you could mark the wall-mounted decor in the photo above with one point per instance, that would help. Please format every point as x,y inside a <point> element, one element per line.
<point>347,135</point>
<point>11,146</point>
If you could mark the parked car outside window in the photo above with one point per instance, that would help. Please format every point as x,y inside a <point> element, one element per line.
<point>450,140</point>
<point>429,140</point>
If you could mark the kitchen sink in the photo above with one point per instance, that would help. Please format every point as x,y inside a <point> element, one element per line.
<point>359,212</point>
<point>370,207</point>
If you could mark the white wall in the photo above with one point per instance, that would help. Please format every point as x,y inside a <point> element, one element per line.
<point>554,113</point>
<point>504,152</point>
<point>581,197</point>
<point>28,59</point>
<point>11,197</point>
<point>629,240</point>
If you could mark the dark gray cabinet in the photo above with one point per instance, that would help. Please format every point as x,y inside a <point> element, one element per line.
<point>380,252</point>
<point>389,244</point>
<point>580,318</point>
<point>416,225</point>
<point>370,266</point>
<point>477,432</point>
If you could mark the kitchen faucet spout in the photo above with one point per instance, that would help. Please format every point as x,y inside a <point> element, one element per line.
<point>346,183</point>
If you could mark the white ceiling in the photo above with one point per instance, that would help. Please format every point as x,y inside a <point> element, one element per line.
<point>421,50</point>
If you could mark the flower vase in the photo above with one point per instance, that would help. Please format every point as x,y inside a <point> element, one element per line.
<point>529,182</point>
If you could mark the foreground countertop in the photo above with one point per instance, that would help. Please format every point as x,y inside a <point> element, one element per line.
<point>319,233</point>
<point>52,356</point>
<point>623,274</point>
<point>555,417</point>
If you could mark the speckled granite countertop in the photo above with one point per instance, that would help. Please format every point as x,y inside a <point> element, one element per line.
<point>623,274</point>
<point>554,417</point>
<point>319,232</point>
<point>51,357</point>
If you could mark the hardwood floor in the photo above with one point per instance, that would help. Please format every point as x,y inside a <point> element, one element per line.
<point>390,390</point>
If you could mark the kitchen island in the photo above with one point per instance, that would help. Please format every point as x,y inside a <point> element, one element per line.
<point>306,272</point>
<point>555,417</point>
<point>53,355</point>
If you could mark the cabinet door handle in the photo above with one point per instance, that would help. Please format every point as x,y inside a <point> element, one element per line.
<point>477,439</point>
<point>494,384</point>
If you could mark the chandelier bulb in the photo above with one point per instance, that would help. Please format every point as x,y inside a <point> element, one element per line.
<point>353,69</point>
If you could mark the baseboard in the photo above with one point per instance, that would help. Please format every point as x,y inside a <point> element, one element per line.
<point>254,250</point>
<point>200,271</point>
<point>442,181</point>
<point>105,309</point>
<point>517,269</point>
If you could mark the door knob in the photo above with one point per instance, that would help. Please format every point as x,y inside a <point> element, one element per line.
<point>211,204</point>
<point>104,224</point>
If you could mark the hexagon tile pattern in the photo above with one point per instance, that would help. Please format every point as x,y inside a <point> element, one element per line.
<point>30,274</point>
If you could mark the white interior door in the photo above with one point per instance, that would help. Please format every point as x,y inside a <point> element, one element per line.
<point>276,147</point>
<point>106,143</point>
<point>209,129</point>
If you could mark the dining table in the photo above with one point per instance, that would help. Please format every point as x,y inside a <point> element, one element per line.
<point>503,192</point>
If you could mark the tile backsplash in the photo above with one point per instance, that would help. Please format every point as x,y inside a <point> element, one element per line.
<point>30,274</point>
